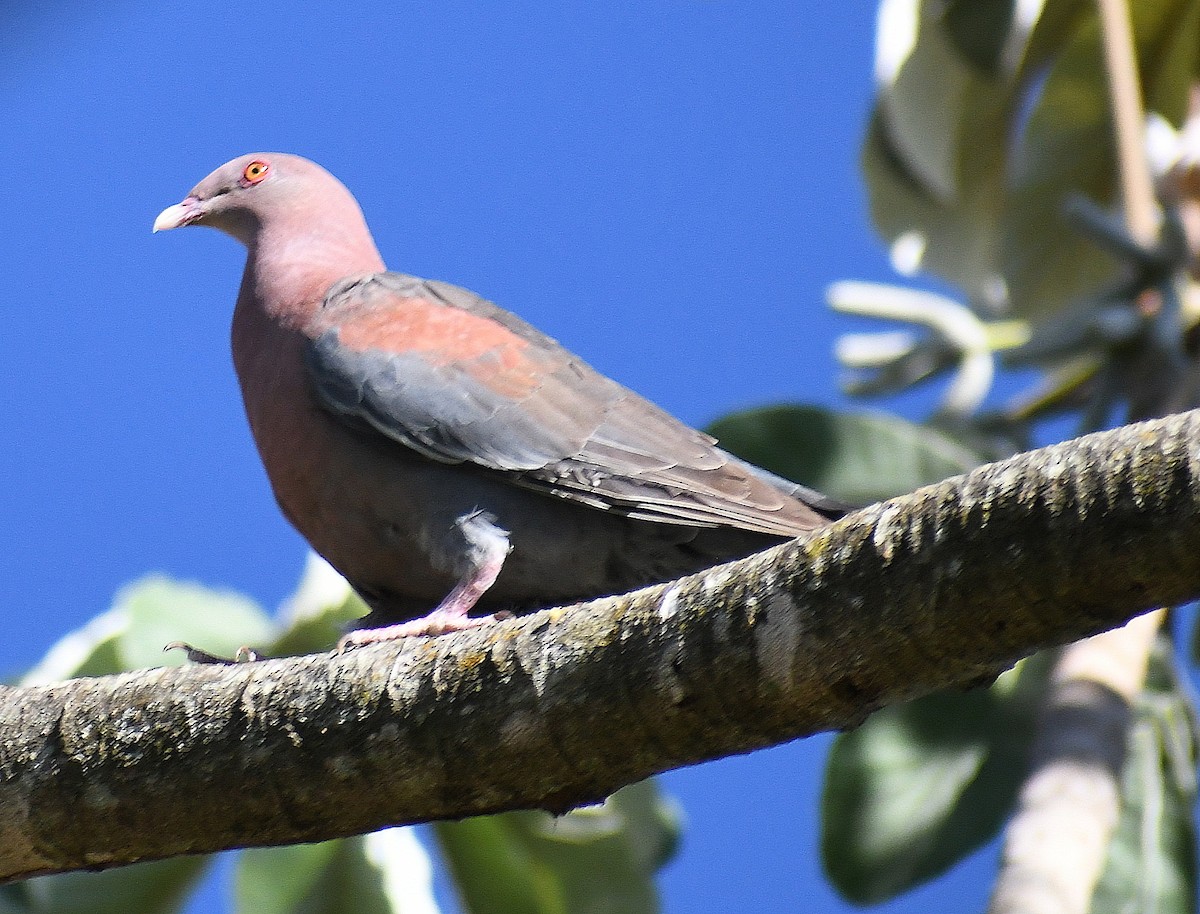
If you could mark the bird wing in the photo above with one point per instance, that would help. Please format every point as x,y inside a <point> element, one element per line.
<point>458,379</point>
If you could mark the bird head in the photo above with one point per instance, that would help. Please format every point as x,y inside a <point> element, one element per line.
<point>253,191</point>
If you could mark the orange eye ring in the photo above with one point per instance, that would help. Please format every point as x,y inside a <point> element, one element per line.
<point>255,172</point>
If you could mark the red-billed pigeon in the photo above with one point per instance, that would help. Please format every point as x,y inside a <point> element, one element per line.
<point>434,447</point>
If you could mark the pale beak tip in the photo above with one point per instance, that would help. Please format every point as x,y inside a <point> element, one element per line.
<point>174,216</point>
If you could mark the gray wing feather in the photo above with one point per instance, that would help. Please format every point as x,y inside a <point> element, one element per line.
<point>578,435</point>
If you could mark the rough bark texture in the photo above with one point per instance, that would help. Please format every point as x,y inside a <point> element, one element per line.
<point>945,587</point>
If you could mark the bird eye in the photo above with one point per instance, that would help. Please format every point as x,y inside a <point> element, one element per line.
<point>255,172</point>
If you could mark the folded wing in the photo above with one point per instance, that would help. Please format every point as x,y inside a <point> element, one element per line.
<point>458,379</point>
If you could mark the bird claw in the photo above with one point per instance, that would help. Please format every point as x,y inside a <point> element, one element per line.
<point>195,655</point>
<point>438,622</point>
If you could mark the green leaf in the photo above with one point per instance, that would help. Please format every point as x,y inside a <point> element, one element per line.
<point>387,872</point>
<point>146,616</point>
<point>927,95</point>
<point>979,30</point>
<point>12,899</point>
<point>310,634</point>
<point>1067,147</point>
<point>319,613</point>
<point>161,611</point>
<point>944,195</point>
<point>1176,62</point>
<point>160,887</point>
<point>653,823</point>
<point>590,861</point>
<point>859,457</point>
<point>970,162</point>
<point>933,149</point>
<point>276,880</point>
<point>92,650</point>
<point>919,786</point>
<point>493,871</point>
<point>1151,863</point>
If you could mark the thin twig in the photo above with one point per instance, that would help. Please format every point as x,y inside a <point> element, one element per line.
<point>1129,117</point>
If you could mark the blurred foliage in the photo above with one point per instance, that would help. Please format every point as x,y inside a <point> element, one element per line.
<point>985,125</point>
<point>990,163</point>
<point>590,861</point>
<point>144,888</point>
<point>1152,859</point>
<point>860,458</point>
<point>921,785</point>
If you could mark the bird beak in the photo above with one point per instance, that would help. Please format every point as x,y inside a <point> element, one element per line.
<point>180,214</point>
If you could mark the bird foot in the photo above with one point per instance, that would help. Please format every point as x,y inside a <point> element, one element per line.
<point>439,622</point>
<point>242,655</point>
<point>486,547</point>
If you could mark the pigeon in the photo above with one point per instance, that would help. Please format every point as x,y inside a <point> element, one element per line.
<point>440,452</point>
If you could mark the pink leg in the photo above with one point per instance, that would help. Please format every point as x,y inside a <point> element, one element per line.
<point>487,548</point>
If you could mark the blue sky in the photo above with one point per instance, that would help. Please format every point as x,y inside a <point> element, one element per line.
<point>667,187</point>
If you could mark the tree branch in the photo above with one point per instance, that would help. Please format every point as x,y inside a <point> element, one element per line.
<point>944,587</point>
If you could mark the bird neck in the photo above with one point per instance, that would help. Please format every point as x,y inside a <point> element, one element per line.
<point>287,273</point>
